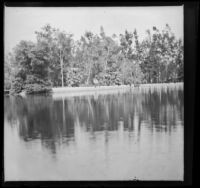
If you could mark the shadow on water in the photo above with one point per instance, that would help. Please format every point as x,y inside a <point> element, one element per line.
<point>53,121</point>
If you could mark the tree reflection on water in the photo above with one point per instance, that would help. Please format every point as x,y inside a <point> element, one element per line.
<point>57,121</point>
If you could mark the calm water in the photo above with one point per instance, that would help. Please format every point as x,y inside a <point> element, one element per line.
<point>136,134</point>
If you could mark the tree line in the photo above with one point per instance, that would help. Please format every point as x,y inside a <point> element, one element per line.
<point>56,60</point>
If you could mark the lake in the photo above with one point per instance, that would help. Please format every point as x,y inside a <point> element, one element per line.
<point>137,134</point>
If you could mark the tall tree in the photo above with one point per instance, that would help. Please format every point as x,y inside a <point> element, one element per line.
<point>58,46</point>
<point>64,44</point>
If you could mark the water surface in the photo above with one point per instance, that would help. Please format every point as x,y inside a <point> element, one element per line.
<point>133,135</point>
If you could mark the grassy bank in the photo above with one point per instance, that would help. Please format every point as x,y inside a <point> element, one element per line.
<point>81,91</point>
<point>100,88</point>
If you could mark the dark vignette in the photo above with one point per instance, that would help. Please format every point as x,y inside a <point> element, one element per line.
<point>191,40</point>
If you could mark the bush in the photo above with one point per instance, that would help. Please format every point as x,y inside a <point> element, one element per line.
<point>17,86</point>
<point>73,78</point>
<point>35,85</point>
<point>32,85</point>
<point>36,88</point>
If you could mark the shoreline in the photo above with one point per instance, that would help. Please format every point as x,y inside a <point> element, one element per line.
<point>60,92</point>
<point>95,90</point>
<point>116,87</point>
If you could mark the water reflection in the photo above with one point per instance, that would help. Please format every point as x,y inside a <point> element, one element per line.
<point>68,121</point>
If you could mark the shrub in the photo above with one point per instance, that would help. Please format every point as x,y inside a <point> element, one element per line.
<point>17,85</point>
<point>73,78</point>
<point>34,85</point>
<point>36,88</point>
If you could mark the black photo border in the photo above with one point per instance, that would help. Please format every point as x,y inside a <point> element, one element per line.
<point>191,100</point>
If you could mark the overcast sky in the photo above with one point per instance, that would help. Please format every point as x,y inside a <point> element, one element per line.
<point>22,22</point>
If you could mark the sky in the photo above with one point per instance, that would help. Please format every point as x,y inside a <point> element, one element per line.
<point>20,23</point>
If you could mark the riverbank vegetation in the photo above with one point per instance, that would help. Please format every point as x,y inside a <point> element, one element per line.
<point>56,60</point>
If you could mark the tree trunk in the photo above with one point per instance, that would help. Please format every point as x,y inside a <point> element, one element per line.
<point>61,65</point>
<point>123,71</point>
<point>106,60</point>
<point>159,74</point>
<point>89,73</point>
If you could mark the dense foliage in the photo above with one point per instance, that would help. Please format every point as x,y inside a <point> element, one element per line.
<point>96,59</point>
